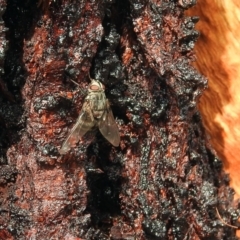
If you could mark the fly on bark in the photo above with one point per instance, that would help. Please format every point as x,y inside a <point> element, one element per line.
<point>96,112</point>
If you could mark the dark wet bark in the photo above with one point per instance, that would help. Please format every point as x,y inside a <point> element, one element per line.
<point>163,181</point>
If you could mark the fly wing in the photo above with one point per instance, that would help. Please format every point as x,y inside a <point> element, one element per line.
<point>84,123</point>
<point>109,128</point>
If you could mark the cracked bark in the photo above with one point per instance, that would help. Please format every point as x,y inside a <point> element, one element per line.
<point>163,181</point>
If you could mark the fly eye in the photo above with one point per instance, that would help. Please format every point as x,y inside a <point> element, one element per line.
<point>94,87</point>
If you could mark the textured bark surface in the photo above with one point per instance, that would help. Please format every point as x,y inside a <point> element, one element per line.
<point>163,181</point>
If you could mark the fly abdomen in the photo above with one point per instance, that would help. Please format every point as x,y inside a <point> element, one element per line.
<point>98,104</point>
<point>98,114</point>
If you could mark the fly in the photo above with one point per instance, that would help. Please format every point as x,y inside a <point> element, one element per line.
<point>96,112</point>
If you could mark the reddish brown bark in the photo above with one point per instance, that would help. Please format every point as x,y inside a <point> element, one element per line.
<point>162,182</point>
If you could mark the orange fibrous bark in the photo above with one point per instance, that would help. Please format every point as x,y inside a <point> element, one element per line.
<point>218,59</point>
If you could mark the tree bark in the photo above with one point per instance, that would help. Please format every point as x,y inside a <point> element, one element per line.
<point>219,41</point>
<point>163,181</point>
